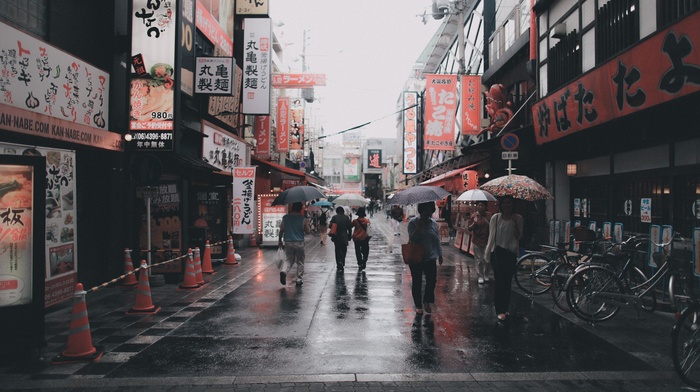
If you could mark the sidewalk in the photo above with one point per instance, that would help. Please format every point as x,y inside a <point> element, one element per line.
<point>242,330</point>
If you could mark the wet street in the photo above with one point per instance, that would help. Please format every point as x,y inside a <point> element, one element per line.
<point>349,330</point>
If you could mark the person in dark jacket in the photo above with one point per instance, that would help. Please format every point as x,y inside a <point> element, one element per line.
<point>361,238</point>
<point>341,236</point>
<point>423,230</point>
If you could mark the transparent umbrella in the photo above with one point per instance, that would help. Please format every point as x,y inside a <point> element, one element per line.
<point>350,200</point>
<point>419,194</point>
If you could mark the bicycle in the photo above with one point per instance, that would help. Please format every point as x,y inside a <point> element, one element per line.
<point>596,292</point>
<point>685,344</point>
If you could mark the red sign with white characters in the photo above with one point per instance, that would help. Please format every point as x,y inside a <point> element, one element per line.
<point>440,107</point>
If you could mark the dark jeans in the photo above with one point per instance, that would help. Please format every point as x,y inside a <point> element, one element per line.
<point>503,264</point>
<point>362,252</point>
<point>429,268</point>
<point>341,250</point>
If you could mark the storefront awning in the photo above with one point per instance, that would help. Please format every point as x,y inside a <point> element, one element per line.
<point>442,178</point>
<point>278,167</point>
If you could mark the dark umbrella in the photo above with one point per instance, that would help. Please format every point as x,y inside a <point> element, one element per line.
<point>299,193</point>
<point>419,194</point>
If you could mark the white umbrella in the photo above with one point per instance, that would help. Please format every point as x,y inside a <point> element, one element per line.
<point>476,195</point>
<point>350,200</point>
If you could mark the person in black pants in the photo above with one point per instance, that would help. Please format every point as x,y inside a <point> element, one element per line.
<point>505,230</point>
<point>341,237</point>
<point>423,230</point>
<point>361,238</point>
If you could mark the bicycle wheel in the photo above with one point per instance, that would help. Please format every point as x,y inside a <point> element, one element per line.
<point>560,275</point>
<point>680,289</point>
<point>533,273</point>
<point>648,300</point>
<point>685,346</point>
<point>585,293</point>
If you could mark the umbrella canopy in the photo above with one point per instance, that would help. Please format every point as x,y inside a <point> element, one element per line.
<point>323,203</point>
<point>419,194</point>
<point>297,194</point>
<point>476,195</point>
<point>520,187</point>
<point>350,200</point>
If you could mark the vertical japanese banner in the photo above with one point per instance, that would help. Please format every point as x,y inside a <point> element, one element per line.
<point>61,220</point>
<point>296,125</point>
<point>262,136</point>
<point>153,42</point>
<point>374,158</point>
<point>410,133</point>
<point>645,210</point>
<point>243,200</point>
<point>440,107</point>
<point>256,65</point>
<point>471,104</point>
<point>283,124</point>
<point>16,234</point>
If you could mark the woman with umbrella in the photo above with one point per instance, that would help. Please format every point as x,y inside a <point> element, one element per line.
<point>423,230</point>
<point>342,235</point>
<point>505,230</point>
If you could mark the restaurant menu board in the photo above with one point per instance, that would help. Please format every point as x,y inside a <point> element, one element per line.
<point>16,217</point>
<point>60,240</point>
<point>166,229</point>
<point>271,219</point>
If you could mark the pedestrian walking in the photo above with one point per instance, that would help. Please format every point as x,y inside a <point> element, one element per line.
<point>423,230</point>
<point>341,236</point>
<point>502,251</point>
<point>397,218</point>
<point>372,205</point>
<point>478,226</point>
<point>323,226</point>
<point>360,236</point>
<point>292,229</point>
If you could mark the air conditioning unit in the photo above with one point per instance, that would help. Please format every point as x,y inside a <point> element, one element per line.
<point>559,30</point>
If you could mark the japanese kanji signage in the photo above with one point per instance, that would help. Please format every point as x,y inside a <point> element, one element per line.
<point>298,80</point>
<point>257,49</point>
<point>244,200</point>
<point>440,107</point>
<point>223,150</point>
<point>283,124</point>
<point>471,104</point>
<point>152,82</point>
<point>211,28</point>
<point>296,125</point>
<point>410,133</point>
<point>252,7</point>
<point>270,218</point>
<point>626,84</point>
<point>214,75</point>
<point>374,158</point>
<point>262,136</point>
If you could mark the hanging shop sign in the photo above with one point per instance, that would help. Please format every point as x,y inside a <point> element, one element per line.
<point>627,84</point>
<point>61,245</point>
<point>440,107</point>
<point>50,94</point>
<point>471,104</point>
<point>243,200</point>
<point>214,75</point>
<point>252,7</point>
<point>152,80</point>
<point>257,68</point>
<point>226,108</point>
<point>224,150</point>
<point>410,132</point>
<point>283,124</point>
<point>374,158</point>
<point>262,136</point>
<point>352,168</point>
<point>298,80</point>
<point>187,43</point>
<point>269,219</point>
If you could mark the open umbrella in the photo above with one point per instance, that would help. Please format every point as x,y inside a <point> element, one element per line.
<point>520,187</point>
<point>350,200</point>
<point>476,195</point>
<point>323,203</point>
<point>419,194</point>
<point>296,194</point>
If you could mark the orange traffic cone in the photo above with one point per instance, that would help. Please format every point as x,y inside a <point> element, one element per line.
<point>198,268</point>
<point>190,279</point>
<point>206,260</point>
<point>130,279</point>
<point>80,346</point>
<point>230,255</point>
<point>143,303</point>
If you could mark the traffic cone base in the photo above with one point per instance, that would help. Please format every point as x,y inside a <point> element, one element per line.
<point>230,255</point>
<point>143,303</point>
<point>79,347</point>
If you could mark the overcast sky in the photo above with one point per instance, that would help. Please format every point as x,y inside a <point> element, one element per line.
<point>366,48</point>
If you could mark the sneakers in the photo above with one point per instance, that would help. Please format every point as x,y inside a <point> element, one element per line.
<point>486,279</point>
<point>283,278</point>
<point>300,282</point>
<point>481,280</point>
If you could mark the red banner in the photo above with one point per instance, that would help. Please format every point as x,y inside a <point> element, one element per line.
<point>440,107</point>
<point>298,80</point>
<point>283,124</point>
<point>262,136</point>
<point>625,85</point>
<point>471,104</point>
<point>296,124</point>
<point>410,133</point>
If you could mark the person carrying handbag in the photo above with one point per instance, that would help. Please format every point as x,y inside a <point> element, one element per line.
<point>501,251</point>
<point>423,230</point>
<point>361,238</point>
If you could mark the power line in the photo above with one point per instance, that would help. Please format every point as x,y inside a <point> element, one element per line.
<point>365,124</point>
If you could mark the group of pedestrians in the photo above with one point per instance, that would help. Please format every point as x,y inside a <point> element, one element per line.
<point>495,241</point>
